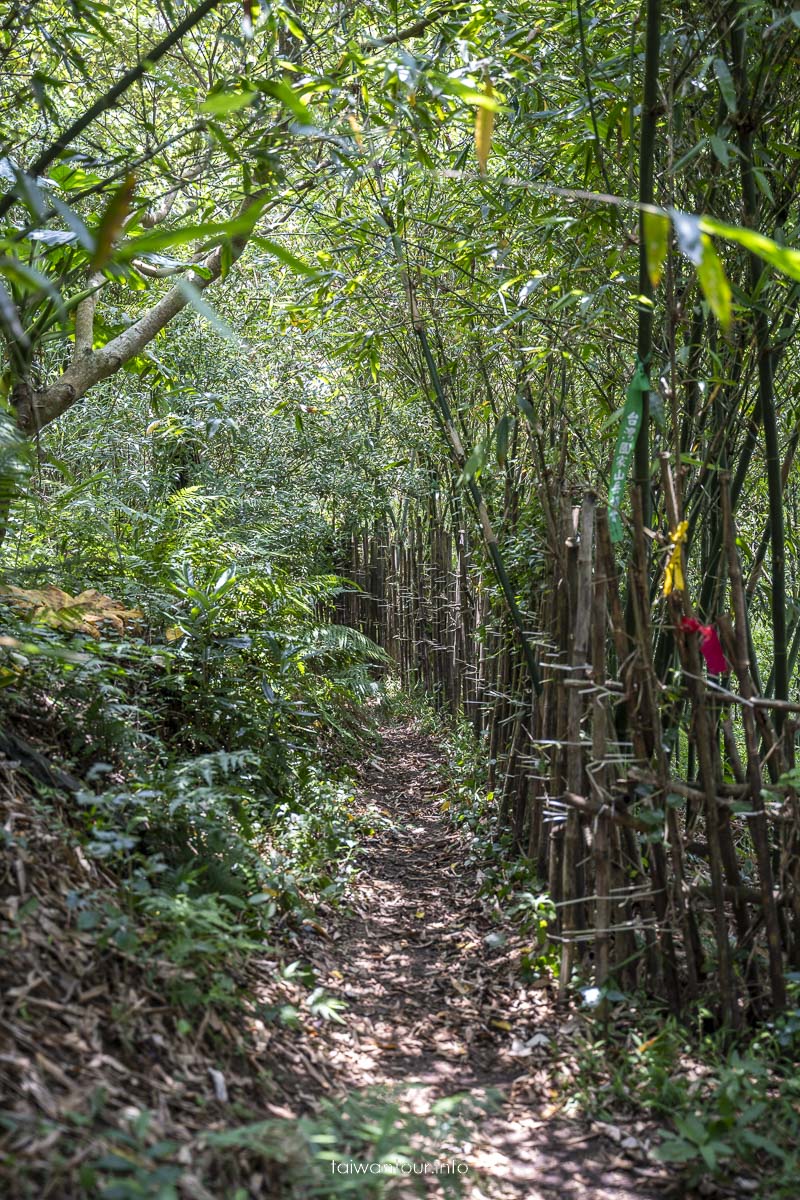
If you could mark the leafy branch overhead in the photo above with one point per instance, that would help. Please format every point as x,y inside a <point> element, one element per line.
<point>400,603</point>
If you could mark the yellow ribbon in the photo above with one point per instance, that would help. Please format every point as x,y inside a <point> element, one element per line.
<point>673,576</point>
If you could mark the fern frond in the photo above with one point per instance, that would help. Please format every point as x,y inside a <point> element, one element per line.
<point>341,641</point>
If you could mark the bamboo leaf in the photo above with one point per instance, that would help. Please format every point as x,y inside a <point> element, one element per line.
<point>656,240</point>
<point>721,149</point>
<point>210,233</point>
<point>475,463</point>
<point>686,158</point>
<point>287,97</point>
<point>781,257</point>
<point>284,256</point>
<point>726,84</point>
<point>763,184</point>
<point>32,280</point>
<point>472,95</point>
<point>484,127</point>
<point>111,221</point>
<point>525,407</point>
<point>222,103</point>
<point>9,318</point>
<point>195,298</point>
<point>714,283</point>
<point>74,222</point>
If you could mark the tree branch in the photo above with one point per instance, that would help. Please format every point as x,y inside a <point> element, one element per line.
<point>84,317</point>
<point>37,408</point>
<point>85,311</point>
<point>160,211</point>
<point>109,99</point>
<point>412,31</point>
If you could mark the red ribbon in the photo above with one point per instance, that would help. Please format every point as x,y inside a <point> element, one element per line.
<point>709,645</point>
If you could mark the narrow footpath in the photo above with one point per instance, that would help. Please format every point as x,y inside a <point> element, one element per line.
<point>436,1005</point>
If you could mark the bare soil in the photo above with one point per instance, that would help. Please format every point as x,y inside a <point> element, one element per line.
<point>436,1003</point>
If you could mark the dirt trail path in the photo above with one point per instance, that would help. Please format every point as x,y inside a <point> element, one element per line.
<point>432,1002</point>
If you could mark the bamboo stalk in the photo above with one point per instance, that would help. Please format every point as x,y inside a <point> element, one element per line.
<point>570,889</point>
<point>757,821</point>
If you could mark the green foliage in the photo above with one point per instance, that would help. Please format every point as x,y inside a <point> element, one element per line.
<point>200,730</point>
<point>743,1119</point>
<point>722,1111</point>
<point>365,1145</point>
<point>320,172</point>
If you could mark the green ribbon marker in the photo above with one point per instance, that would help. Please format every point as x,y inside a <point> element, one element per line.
<point>623,452</point>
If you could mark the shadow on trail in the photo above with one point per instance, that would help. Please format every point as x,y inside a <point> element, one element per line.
<point>434,1008</point>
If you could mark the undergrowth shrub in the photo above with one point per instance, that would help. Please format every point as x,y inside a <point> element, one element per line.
<point>371,1144</point>
<point>206,734</point>
<point>720,1112</point>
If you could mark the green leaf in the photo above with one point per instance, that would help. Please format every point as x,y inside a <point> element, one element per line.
<point>72,175</point>
<point>714,283</point>
<point>211,233</point>
<point>688,156</point>
<point>45,649</point>
<point>475,463</point>
<point>656,240</point>
<point>721,149</point>
<point>726,84</point>
<point>781,257</point>
<point>9,318</point>
<point>195,298</point>
<point>709,1157</point>
<point>472,95</point>
<point>613,418</point>
<point>222,103</point>
<point>763,184</point>
<point>284,256</point>
<point>525,407</point>
<point>74,222</point>
<point>693,1128</point>
<point>31,280</point>
<point>115,1162</point>
<point>675,1150</point>
<point>288,98</point>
